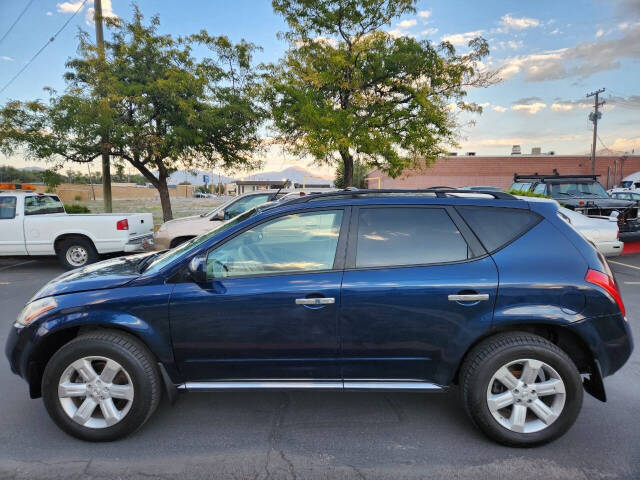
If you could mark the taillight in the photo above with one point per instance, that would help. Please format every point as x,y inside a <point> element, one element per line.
<point>608,283</point>
<point>122,224</point>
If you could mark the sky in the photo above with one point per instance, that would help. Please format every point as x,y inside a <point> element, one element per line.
<point>550,54</point>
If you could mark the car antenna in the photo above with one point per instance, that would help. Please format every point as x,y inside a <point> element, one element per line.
<point>275,195</point>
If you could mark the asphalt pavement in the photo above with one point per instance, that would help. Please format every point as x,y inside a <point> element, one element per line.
<point>314,435</point>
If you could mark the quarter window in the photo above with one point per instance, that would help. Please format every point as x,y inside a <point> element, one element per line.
<point>42,205</point>
<point>541,188</point>
<point>407,236</point>
<point>495,227</point>
<point>7,207</point>
<point>293,243</point>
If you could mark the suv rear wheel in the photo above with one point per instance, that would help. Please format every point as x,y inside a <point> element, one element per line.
<point>101,386</point>
<point>520,389</point>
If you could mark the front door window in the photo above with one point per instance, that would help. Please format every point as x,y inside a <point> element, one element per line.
<point>294,243</point>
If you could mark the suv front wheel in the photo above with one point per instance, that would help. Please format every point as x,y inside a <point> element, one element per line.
<point>101,386</point>
<point>520,389</point>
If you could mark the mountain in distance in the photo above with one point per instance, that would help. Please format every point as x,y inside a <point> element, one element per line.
<point>196,177</point>
<point>32,169</point>
<point>295,173</point>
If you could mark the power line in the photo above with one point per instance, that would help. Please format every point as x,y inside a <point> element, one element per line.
<point>43,47</point>
<point>16,21</point>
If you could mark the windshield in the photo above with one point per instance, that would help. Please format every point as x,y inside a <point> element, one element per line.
<point>626,184</point>
<point>167,257</point>
<point>578,190</point>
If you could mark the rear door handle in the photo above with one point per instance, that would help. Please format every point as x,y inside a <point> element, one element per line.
<point>472,297</point>
<point>315,301</point>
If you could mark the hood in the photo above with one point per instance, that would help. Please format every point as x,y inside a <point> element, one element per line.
<point>600,202</point>
<point>110,273</point>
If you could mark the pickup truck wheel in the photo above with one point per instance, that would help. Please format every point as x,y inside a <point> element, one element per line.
<point>101,386</point>
<point>520,389</point>
<point>76,252</point>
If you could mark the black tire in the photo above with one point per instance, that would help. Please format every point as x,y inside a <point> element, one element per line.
<point>484,361</point>
<point>69,244</point>
<point>132,355</point>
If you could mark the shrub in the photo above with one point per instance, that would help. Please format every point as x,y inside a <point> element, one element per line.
<point>78,198</point>
<point>527,194</point>
<point>75,208</point>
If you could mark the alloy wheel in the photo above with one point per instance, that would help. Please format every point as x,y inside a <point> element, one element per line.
<point>96,392</point>
<point>526,395</point>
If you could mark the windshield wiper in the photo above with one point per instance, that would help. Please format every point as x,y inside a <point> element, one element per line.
<point>145,262</point>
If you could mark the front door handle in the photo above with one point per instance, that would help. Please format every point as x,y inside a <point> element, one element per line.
<point>315,301</point>
<point>472,297</point>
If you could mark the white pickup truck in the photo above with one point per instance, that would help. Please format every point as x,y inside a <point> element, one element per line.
<point>37,224</point>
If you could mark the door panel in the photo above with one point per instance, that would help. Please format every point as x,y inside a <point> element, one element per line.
<point>11,229</point>
<point>252,328</point>
<point>269,308</point>
<point>398,323</point>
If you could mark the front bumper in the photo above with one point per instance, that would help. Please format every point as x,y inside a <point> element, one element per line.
<point>162,241</point>
<point>139,244</point>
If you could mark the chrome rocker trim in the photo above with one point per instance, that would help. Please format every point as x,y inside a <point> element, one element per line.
<point>352,385</point>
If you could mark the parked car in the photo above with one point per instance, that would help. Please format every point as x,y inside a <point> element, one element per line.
<point>174,232</point>
<point>584,194</point>
<point>631,182</point>
<point>355,290</point>
<point>626,195</point>
<point>602,232</point>
<point>36,224</point>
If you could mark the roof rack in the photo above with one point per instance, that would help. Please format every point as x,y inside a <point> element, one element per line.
<point>438,192</point>
<point>535,176</point>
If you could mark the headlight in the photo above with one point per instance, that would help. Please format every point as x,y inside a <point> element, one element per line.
<point>33,310</point>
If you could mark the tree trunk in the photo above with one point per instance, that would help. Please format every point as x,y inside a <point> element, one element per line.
<point>347,159</point>
<point>163,191</point>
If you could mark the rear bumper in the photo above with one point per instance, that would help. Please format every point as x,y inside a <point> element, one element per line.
<point>610,249</point>
<point>139,244</point>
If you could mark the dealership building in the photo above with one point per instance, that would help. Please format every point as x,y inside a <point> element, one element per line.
<point>498,171</point>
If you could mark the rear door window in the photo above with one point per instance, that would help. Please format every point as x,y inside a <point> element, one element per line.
<point>407,236</point>
<point>42,205</point>
<point>7,208</point>
<point>495,227</point>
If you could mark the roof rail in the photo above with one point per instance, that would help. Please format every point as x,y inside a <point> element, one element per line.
<point>438,192</point>
<point>535,176</point>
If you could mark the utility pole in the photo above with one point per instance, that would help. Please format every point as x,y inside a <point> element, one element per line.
<point>594,117</point>
<point>106,163</point>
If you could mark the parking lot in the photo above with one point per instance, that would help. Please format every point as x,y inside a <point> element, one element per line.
<point>310,435</point>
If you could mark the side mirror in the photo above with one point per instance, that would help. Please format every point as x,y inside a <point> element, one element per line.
<point>198,269</point>
<point>217,216</point>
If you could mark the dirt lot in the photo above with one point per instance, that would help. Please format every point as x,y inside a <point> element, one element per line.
<point>182,207</point>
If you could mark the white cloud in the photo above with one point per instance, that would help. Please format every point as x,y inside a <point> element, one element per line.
<point>626,144</point>
<point>599,33</point>
<point>459,39</point>
<point>6,59</point>
<point>429,31</point>
<point>424,14</point>
<point>555,32</point>
<point>396,32</point>
<point>49,14</point>
<point>408,23</point>
<point>530,105</point>
<point>518,23</point>
<point>69,7</point>
<point>581,60</point>
<point>569,105</point>
<point>73,6</point>
<point>499,108</point>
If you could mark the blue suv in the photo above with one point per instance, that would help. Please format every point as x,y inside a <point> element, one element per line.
<point>356,290</point>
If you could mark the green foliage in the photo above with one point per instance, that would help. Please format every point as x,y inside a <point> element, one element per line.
<point>72,208</point>
<point>77,198</point>
<point>359,175</point>
<point>52,180</point>
<point>347,89</point>
<point>150,102</point>
<point>527,194</point>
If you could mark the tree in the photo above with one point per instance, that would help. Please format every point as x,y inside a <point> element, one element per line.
<point>347,89</point>
<point>360,171</point>
<point>159,107</point>
<point>51,179</point>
